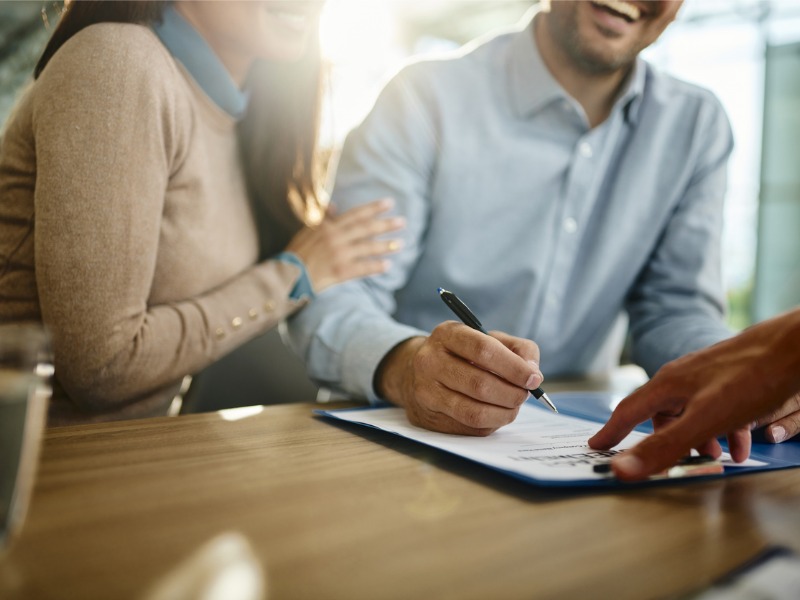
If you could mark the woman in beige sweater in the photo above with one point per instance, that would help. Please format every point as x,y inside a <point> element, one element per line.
<point>157,200</point>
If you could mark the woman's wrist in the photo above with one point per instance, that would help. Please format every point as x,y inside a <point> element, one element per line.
<point>303,287</point>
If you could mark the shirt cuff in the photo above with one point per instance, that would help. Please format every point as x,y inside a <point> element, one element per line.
<point>365,351</point>
<point>302,287</point>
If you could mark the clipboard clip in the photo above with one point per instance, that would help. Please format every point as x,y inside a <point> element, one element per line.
<point>688,466</point>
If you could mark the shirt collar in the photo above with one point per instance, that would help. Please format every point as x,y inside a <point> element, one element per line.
<point>533,87</point>
<point>188,46</point>
<point>631,99</point>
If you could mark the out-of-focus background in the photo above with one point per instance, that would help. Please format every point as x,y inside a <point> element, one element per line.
<point>746,51</point>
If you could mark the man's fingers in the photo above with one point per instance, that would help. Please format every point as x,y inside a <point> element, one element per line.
<point>487,353</point>
<point>462,377</point>
<point>643,404</point>
<point>782,424</point>
<point>477,415</point>
<point>456,378</point>
<point>663,449</point>
<point>652,455</point>
<point>441,409</point>
<point>739,443</point>
<point>519,346</point>
<point>436,421</point>
<point>783,429</point>
<point>711,447</point>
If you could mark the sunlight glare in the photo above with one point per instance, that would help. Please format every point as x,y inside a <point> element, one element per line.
<point>357,31</point>
<point>239,413</point>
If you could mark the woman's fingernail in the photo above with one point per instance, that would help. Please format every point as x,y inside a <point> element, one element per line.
<point>628,463</point>
<point>778,433</point>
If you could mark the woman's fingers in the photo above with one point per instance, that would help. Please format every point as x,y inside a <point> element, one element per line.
<point>363,222</point>
<point>359,214</point>
<point>349,245</point>
<point>354,232</point>
<point>375,248</point>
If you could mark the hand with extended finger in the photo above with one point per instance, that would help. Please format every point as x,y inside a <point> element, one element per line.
<point>727,388</point>
<point>783,423</point>
<point>347,246</point>
<point>459,380</point>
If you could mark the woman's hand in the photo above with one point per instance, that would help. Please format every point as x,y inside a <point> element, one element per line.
<point>345,246</point>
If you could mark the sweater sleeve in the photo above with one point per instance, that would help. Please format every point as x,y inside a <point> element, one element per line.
<point>106,130</point>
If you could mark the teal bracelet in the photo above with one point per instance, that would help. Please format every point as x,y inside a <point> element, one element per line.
<point>302,289</point>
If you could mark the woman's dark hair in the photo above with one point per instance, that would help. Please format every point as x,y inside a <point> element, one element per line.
<point>277,136</point>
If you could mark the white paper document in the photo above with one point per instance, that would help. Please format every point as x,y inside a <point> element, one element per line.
<point>538,444</point>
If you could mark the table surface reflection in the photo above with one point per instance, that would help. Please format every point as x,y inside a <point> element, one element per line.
<point>334,510</point>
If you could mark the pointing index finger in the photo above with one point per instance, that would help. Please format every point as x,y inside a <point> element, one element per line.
<point>638,407</point>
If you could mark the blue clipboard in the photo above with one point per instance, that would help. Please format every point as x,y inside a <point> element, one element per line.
<point>597,407</point>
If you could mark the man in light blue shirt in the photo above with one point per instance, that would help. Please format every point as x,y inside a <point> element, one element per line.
<point>554,181</point>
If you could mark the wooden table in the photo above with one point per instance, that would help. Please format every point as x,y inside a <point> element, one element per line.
<point>338,511</point>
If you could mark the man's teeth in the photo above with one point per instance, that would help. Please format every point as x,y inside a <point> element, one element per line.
<point>624,8</point>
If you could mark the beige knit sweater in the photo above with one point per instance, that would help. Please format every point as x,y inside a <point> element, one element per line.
<point>125,227</point>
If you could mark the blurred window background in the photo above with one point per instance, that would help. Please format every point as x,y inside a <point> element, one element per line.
<point>745,51</point>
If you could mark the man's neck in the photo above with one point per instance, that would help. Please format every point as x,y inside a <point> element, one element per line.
<point>596,92</point>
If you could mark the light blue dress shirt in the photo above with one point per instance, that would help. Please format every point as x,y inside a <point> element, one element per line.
<point>189,48</point>
<point>546,228</point>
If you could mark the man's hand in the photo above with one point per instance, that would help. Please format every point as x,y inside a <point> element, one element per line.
<point>459,380</point>
<point>783,423</point>
<point>728,388</point>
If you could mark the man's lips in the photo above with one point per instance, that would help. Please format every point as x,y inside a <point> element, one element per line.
<point>625,10</point>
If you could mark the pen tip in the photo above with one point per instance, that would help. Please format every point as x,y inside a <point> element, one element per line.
<point>440,290</point>
<point>549,403</point>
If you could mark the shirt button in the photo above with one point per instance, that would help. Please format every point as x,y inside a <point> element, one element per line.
<point>585,149</point>
<point>570,225</point>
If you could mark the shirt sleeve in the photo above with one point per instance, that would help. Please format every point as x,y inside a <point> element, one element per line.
<point>104,155</point>
<point>345,333</point>
<point>677,304</point>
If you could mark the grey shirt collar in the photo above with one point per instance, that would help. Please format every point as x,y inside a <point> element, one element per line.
<point>532,87</point>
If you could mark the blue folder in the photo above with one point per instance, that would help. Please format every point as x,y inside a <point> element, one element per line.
<point>597,406</point>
